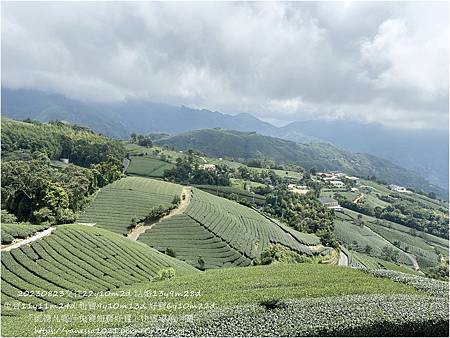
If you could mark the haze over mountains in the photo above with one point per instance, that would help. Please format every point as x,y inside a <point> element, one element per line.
<point>423,151</point>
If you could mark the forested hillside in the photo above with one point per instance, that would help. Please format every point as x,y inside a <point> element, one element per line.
<point>36,186</point>
<point>245,146</point>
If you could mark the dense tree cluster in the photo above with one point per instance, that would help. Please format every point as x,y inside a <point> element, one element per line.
<point>188,170</point>
<point>415,216</point>
<point>35,190</point>
<point>57,140</point>
<point>405,211</point>
<point>142,140</point>
<point>302,212</point>
<point>268,177</point>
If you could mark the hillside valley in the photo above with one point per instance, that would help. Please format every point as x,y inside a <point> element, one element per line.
<point>423,151</point>
<point>200,228</point>
<point>245,146</point>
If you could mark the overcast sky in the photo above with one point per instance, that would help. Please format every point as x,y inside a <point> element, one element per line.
<point>383,62</point>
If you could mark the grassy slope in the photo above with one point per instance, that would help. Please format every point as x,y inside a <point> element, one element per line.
<point>230,287</point>
<point>147,166</point>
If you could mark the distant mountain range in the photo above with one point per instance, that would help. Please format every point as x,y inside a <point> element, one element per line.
<point>243,146</point>
<point>423,151</point>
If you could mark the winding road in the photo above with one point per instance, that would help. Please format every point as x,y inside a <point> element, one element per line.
<point>343,259</point>
<point>358,198</point>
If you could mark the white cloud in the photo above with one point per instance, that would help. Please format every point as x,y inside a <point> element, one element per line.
<point>399,58</point>
<point>385,62</point>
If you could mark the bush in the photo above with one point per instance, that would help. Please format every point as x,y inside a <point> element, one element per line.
<point>7,217</point>
<point>6,238</point>
<point>176,200</point>
<point>44,215</point>
<point>65,216</point>
<point>281,254</point>
<point>201,262</point>
<point>170,252</point>
<point>165,274</point>
<point>272,304</point>
<point>156,213</point>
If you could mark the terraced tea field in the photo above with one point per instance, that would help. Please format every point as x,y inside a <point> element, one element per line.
<point>423,246</point>
<point>224,191</point>
<point>147,166</point>
<point>189,240</point>
<point>74,259</point>
<point>285,300</point>
<point>11,232</point>
<point>224,233</point>
<point>132,197</point>
<point>361,237</point>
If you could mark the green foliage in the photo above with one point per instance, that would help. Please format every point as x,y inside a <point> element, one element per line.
<point>170,252</point>
<point>142,140</point>
<point>417,215</point>
<point>301,212</point>
<point>440,271</point>
<point>224,233</point>
<point>281,254</point>
<point>44,215</point>
<point>201,263</point>
<point>246,146</point>
<point>406,210</point>
<point>188,170</point>
<point>35,190</point>
<point>165,274</point>
<point>6,217</point>
<point>59,140</point>
<point>272,304</point>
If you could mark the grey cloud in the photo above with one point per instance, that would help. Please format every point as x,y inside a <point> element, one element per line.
<point>385,62</point>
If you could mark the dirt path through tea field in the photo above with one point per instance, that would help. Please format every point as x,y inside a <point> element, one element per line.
<point>29,240</point>
<point>143,227</point>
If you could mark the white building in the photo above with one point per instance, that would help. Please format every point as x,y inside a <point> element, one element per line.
<point>398,188</point>
<point>337,183</point>
<point>208,167</point>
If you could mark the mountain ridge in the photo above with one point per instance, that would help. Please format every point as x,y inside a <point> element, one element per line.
<point>244,146</point>
<point>426,153</point>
